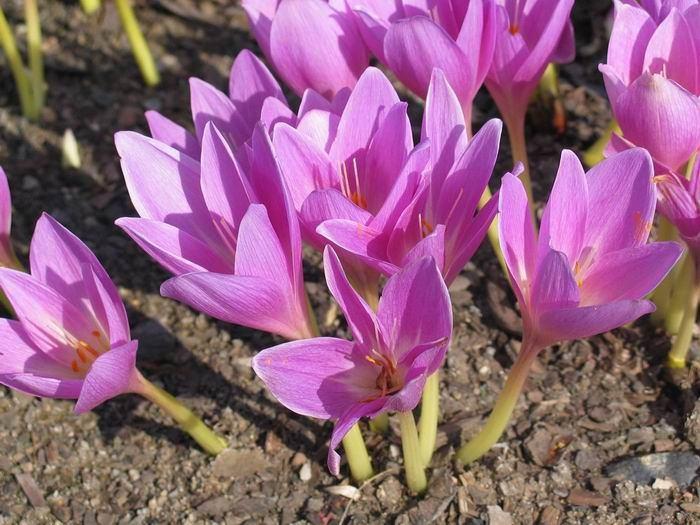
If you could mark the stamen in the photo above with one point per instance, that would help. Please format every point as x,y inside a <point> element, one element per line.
<point>74,366</point>
<point>513,29</point>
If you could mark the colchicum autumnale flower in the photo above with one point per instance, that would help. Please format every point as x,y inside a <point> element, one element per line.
<point>311,43</point>
<point>382,370</point>
<point>438,216</point>
<point>72,338</point>
<point>652,77</point>
<point>590,268</point>
<point>230,236</point>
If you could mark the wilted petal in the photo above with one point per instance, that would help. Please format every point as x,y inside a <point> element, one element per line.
<point>112,374</point>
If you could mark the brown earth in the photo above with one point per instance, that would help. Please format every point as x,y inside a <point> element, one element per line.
<point>587,405</point>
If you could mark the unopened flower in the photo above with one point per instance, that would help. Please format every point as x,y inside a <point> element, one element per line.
<point>383,369</point>
<point>652,79</point>
<point>311,43</point>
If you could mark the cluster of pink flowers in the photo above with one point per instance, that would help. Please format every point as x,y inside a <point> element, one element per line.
<point>226,208</point>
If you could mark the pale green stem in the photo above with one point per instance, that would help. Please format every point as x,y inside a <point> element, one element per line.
<point>429,414</point>
<point>380,424</point>
<point>518,148</point>
<point>412,459</point>
<point>662,294</point>
<point>679,351</point>
<point>595,153</point>
<point>139,47</point>
<point>9,47</point>
<point>357,456</point>
<point>36,60</point>
<point>90,6</point>
<point>682,285</point>
<point>202,434</point>
<point>502,410</point>
<point>548,89</point>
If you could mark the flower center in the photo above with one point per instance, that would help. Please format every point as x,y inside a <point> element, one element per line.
<point>388,380</point>
<point>513,29</point>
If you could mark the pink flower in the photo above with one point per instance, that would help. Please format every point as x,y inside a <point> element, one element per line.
<point>436,213</point>
<point>383,369</point>
<point>591,267</point>
<point>312,43</point>
<point>71,339</point>
<point>652,77</point>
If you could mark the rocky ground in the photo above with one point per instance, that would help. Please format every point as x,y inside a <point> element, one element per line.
<point>601,436</point>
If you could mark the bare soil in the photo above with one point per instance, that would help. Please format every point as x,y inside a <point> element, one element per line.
<point>587,406</point>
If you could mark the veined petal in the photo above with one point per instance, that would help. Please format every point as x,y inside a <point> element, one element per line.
<point>50,321</point>
<point>554,286</point>
<point>432,246</point>
<point>324,205</point>
<point>164,184</point>
<point>415,46</point>
<point>304,165</point>
<point>622,200</point>
<point>386,155</point>
<point>373,29</point>
<point>255,302</point>
<point>210,104</point>
<point>107,306</point>
<point>370,99</point>
<point>320,377</point>
<point>314,46</point>
<point>177,251</point>
<point>321,126</point>
<point>358,314</point>
<point>225,188</point>
<point>402,312</point>
<point>168,132</point>
<point>477,38</point>
<point>250,84</point>
<point>671,52</point>
<point>578,323</point>
<point>564,220</point>
<point>517,234</point>
<point>444,126</point>
<point>629,38</point>
<point>630,273</point>
<point>112,374</point>
<point>659,115</point>
<point>258,250</point>
<point>260,14</point>
<point>274,112</point>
